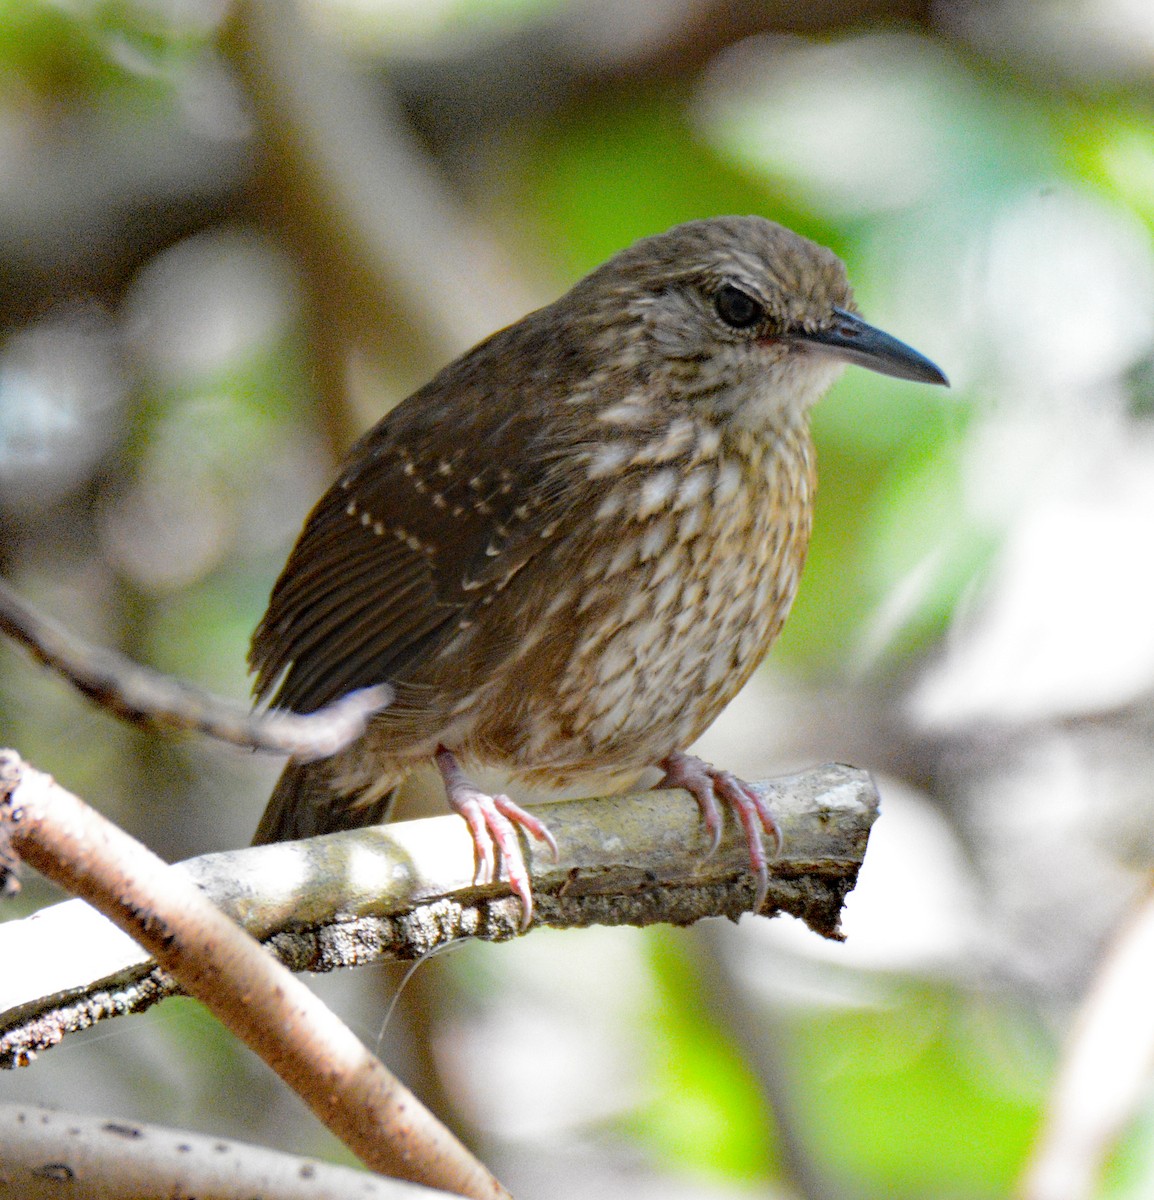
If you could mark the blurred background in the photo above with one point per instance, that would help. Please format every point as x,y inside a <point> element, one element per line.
<point>233,234</point>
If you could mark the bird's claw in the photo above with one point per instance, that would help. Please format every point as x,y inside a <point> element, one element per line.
<point>493,822</point>
<point>711,787</point>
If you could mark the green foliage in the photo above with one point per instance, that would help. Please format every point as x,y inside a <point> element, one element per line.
<point>925,1091</point>
<point>101,48</point>
<point>1110,146</point>
<point>597,178</point>
<point>707,1114</point>
<point>932,1093</point>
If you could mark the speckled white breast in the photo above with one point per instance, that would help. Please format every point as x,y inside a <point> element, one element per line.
<point>693,568</point>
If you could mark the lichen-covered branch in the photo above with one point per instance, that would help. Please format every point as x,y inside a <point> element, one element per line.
<point>401,890</point>
<point>247,990</point>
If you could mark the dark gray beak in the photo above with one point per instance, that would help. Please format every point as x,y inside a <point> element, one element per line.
<point>853,340</point>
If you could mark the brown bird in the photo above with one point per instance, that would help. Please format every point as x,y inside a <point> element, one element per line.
<point>570,549</point>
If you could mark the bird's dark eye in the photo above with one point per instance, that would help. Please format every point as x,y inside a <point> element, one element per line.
<point>737,308</point>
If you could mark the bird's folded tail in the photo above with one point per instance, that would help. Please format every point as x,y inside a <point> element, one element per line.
<point>305,803</point>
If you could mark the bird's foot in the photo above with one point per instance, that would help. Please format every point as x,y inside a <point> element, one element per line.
<point>711,787</point>
<point>493,822</point>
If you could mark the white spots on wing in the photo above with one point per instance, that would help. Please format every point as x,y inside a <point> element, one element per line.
<point>608,726</point>
<point>607,459</point>
<point>497,542</point>
<point>591,597</point>
<point>787,581</point>
<point>657,539</point>
<point>365,518</point>
<point>444,467</point>
<point>632,411</point>
<point>413,542</point>
<point>612,505</point>
<point>673,443</point>
<point>622,559</point>
<point>562,600</point>
<point>531,638</point>
<point>656,492</point>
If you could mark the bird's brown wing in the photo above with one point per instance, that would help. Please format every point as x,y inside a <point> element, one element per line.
<point>420,526</point>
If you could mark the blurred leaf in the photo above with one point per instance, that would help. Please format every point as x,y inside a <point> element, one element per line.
<point>73,52</point>
<point>229,437</point>
<point>1130,1171</point>
<point>889,504</point>
<point>599,178</point>
<point>925,550</point>
<point>912,1100</point>
<point>1111,147</point>
<point>708,1114</point>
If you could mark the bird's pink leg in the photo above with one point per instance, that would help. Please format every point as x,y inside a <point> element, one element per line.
<point>493,822</point>
<point>711,787</point>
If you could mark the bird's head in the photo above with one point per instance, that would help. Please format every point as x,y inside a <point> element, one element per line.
<point>742,319</point>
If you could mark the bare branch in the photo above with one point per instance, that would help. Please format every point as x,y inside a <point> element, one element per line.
<point>146,697</point>
<point>276,1015</point>
<point>49,1154</point>
<point>400,891</point>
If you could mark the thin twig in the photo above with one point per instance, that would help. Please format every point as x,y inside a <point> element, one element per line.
<point>399,891</point>
<point>146,697</point>
<point>246,989</point>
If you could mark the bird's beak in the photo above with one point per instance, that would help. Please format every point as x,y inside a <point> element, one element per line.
<point>855,341</point>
